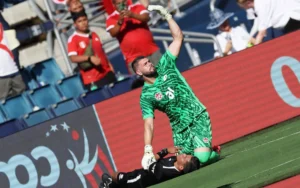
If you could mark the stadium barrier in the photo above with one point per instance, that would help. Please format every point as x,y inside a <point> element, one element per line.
<point>244,92</point>
<point>69,151</point>
<point>290,182</point>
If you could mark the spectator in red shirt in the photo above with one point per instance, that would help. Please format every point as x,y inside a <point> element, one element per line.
<point>85,48</point>
<point>129,25</point>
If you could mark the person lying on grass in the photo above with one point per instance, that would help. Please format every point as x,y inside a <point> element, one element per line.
<point>161,170</point>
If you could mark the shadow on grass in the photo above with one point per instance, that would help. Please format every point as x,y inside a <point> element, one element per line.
<point>226,186</point>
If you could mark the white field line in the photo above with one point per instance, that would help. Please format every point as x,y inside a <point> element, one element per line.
<point>269,169</point>
<point>281,138</point>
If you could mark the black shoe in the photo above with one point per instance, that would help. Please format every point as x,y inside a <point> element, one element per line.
<point>101,185</point>
<point>106,179</point>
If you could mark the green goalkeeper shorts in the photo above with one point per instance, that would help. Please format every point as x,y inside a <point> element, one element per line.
<point>196,135</point>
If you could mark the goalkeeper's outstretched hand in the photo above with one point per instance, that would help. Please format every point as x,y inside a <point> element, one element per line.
<point>148,157</point>
<point>161,10</point>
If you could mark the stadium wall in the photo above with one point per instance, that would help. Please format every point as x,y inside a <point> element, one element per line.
<point>68,151</point>
<point>244,92</point>
<point>290,182</point>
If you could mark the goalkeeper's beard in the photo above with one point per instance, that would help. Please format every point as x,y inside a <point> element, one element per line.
<point>152,74</point>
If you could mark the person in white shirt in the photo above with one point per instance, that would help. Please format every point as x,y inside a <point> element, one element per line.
<point>279,14</point>
<point>251,15</point>
<point>11,82</point>
<point>231,39</point>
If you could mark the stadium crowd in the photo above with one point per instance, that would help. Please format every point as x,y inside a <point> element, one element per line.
<point>127,22</point>
<point>277,14</point>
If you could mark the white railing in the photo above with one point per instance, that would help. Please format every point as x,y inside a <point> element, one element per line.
<point>63,22</point>
<point>189,37</point>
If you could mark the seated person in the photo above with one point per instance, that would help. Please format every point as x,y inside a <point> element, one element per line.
<point>162,170</point>
<point>231,39</point>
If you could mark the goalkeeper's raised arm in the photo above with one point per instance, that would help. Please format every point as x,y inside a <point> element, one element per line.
<point>146,104</point>
<point>176,32</point>
<point>174,49</point>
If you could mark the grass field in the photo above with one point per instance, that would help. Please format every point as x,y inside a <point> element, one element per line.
<point>256,160</point>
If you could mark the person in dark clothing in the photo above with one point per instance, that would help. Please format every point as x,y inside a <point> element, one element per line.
<point>162,170</point>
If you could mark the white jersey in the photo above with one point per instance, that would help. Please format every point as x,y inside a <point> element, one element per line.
<point>276,13</point>
<point>7,63</point>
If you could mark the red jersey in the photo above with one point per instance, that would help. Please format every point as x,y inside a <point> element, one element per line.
<point>63,2</point>
<point>77,44</point>
<point>109,6</point>
<point>134,37</point>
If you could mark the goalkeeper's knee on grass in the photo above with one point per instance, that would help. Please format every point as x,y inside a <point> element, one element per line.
<point>203,156</point>
<point>207,157</point>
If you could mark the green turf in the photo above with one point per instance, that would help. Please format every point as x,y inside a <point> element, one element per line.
<point>256,160</point>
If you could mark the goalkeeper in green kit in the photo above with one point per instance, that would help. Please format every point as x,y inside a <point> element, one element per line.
<point>166,90</point>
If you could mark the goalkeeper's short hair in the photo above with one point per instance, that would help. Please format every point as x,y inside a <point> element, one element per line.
<point>134,63</point>
<point>192,165</point>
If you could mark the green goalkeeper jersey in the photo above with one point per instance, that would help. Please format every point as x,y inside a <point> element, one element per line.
<point>170,94</point>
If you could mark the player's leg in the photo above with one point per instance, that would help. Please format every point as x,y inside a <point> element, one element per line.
<point>132,179</point>
<point>193,145</point>
<point>202,148</point>
<point>202,137</point>
<point>183,140</point>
